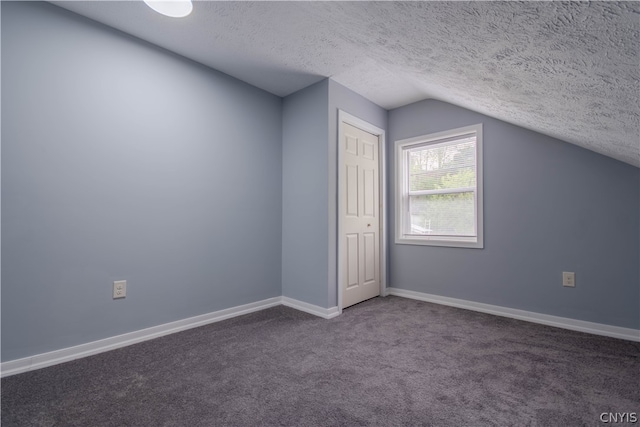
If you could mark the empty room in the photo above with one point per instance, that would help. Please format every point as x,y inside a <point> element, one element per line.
<point>235,213</point>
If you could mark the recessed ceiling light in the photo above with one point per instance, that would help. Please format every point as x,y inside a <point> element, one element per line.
<point>172,8</point>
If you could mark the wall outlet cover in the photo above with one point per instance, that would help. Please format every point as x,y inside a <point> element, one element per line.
<point>569,279</point>
<point>119,289</point>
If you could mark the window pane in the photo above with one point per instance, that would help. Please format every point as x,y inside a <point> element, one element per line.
<point>443,166</point>
<point>443,214</point>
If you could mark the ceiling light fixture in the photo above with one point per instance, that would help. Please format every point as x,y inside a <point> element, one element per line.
<point>172,8</point>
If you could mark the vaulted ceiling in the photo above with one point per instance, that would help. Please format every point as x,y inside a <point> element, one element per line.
<point>570,70</point>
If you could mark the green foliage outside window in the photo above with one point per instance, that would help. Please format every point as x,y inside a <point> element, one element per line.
<point>446,167</point>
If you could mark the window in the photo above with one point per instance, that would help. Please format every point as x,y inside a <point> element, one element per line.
<point>439,189</point>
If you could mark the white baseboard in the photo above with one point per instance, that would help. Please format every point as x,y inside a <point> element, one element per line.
<point>68,354</point>
<point>529,316</point>
<point>51,358</point>
<point>43,360</point>
<point>327,313</point>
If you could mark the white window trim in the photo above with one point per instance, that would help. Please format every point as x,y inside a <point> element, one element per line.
<point>401,192</point>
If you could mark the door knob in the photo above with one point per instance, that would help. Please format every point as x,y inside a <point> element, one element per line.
<point>368,225</point>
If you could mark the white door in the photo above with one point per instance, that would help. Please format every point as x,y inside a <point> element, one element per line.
<point>360,216</point>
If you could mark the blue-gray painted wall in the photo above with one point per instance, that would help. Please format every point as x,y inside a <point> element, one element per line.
<point>310,192</point>
<point>123,161</point>
<point>549,207</point>
<point>305,195</point>
<point>342,98</point>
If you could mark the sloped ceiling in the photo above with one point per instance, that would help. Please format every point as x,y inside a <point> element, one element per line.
<point>566,69</point>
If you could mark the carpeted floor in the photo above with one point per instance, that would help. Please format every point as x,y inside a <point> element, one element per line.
<point>386,362</point>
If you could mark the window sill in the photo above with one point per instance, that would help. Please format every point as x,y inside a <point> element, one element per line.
<point>457,243</point>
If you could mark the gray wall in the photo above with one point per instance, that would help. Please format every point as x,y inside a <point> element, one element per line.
<point>123,161</point>
<point>549,207</point>
<point>304,195</point>
<point>310,192</point>
<point>341,98</point>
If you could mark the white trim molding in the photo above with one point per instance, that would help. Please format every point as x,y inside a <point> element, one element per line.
<point>68,354</point>
<point>326,313</point>
<point>56,357</point>
<point>528,316</point>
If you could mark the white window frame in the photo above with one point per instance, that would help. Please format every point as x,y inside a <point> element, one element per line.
<point>402,147</point>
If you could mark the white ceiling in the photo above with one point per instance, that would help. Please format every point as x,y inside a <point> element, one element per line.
<point>567,69</point>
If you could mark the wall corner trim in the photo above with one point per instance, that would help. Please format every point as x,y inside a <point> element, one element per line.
<point>43,360</point>
<point>528,316</point>
<point>326,313</point>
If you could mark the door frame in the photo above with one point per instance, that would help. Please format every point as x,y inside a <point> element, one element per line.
<point>344,117</point>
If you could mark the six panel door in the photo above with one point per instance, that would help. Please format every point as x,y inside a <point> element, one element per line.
<point>360,216</point>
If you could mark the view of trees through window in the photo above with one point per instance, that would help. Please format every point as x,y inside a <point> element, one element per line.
<point>442,180</point>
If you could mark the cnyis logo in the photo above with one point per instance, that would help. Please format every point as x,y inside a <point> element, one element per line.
<point>619,417</point>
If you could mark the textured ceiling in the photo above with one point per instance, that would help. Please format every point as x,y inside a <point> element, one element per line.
<point>566,69</point>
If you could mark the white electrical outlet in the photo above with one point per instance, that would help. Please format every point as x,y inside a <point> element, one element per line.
<point>569,279</point>
<point>119,289</point>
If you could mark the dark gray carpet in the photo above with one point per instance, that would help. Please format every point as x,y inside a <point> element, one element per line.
<point>386,362</point>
